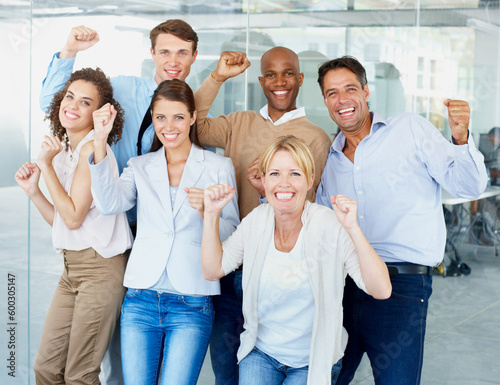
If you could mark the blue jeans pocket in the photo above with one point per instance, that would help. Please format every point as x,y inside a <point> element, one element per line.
<point>131,293</point>
<point>203,304</point>
<point>412,287</point>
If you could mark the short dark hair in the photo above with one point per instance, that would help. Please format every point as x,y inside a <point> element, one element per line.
<point>177,27</point>
<point>349,62</point>
<point>176,90</point>
<point>99,80</point>
<point>494,131</point>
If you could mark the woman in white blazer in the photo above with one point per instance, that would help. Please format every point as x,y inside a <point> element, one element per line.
<point>167,313</point>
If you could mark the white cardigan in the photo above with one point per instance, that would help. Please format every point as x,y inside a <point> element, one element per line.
<point>166,236</point>
<point>329,254</point>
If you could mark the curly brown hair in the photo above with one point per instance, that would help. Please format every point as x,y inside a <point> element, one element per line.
<point>105,91</point>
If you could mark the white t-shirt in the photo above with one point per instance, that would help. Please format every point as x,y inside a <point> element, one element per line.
<point>286,306</point>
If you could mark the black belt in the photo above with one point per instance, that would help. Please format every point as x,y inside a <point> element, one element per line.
<point>407,268</point>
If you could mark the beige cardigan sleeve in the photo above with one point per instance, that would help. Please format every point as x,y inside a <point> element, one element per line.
<point>211,131</point>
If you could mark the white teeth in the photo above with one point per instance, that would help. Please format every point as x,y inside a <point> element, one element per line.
<point>346,110</point>
<point>173,72</point>
<point>284,195</point>
<point>170,136</point>
<point>280,92</point>
<point>70,115</point>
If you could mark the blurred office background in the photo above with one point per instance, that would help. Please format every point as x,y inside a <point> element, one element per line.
<point>417,53</point>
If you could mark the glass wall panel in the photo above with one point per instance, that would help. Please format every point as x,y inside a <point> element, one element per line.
<point>416,53</point>
<point>15,46</point>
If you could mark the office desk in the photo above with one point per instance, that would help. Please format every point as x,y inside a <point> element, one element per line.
<point>461,225</point>
<point>448,199</point>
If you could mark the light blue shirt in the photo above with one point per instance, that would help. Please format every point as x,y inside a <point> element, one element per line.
<point>396,178</point>
<point>134,95</point>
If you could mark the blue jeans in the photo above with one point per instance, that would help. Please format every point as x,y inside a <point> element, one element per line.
<point>390,331</point>
<point>228,325</point>
<point>164,332</point>
<point>259,368</point>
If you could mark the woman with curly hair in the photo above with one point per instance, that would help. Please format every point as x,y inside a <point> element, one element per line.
<point>88,298</point>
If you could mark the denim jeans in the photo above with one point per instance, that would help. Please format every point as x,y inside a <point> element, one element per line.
<point>164,332</point>
<point>390,331</point>
<point>258,368</point>
<point>228,325</point>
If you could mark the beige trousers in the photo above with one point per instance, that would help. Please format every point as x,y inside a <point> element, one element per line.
<point>81,319</point>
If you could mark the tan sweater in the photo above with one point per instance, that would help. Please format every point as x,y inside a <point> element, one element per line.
<point>245,134</point>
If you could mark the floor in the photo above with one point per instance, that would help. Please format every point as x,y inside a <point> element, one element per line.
<point>463,328</point>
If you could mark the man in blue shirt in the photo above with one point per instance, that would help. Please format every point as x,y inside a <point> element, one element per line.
<point>395,169</point>
<point>173,50</point>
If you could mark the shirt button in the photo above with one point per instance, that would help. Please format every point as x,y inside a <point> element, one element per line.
<point>463,152</point>
<point>360,192</point>
<point>170,234</point>
<point>357,167</point>
<point>361,217</point>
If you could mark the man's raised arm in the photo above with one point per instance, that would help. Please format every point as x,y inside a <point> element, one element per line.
<point>60,69</point>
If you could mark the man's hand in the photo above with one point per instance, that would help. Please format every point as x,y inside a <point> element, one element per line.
<point>458,118</point>
<point>196,198</point>
<point>104,118</point>
<point>254,177</point>
<point>79,39</point>
<point>231,63</point>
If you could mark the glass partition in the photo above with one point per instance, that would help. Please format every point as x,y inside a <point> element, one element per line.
<point>417,53</point>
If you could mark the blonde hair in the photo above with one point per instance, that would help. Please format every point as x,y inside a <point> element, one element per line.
<point>299,150</point>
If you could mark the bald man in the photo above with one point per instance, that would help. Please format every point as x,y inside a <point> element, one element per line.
<point>244,135</point>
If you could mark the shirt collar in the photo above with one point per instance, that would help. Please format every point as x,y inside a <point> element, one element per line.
<point>378,121</point>
<point>152,86</point>
<point>287,116</point>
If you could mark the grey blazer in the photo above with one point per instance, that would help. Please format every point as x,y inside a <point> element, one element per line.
<point>166,237</point>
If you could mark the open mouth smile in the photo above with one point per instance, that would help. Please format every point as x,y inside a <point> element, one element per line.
<point>281,93</point>
<point>284,196</point>
<point>170,137</point>
<point>346,111</point>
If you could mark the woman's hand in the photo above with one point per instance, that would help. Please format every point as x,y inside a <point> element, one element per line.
<point>196,198</point>
<point>217,197</point>
<point>51,146</point>
<point>27,177</point>
<point>346,210</point>
<point>104,118</point>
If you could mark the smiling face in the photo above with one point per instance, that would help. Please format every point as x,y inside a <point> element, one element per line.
<point>346,101</point>
<point>280,80</point>
<point>172,122</point>
<point>78,104</point>
<point>173,57</point>
<point>286,184</point>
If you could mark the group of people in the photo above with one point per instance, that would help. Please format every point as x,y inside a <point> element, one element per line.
<point>241,252</point>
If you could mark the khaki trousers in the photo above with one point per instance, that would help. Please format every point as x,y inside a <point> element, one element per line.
<point>81,319</point>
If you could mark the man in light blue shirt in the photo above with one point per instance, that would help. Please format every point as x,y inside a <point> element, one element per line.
<point>173,49</point>
<point>395,169</point>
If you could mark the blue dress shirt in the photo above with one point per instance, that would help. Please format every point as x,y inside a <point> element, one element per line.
<point>396,178</point>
